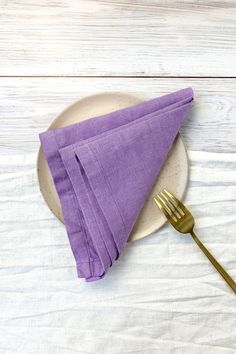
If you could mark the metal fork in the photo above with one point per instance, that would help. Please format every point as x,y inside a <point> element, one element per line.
<point>182,220</point>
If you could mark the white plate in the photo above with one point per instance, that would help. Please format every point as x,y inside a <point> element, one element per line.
<point>173,176</point>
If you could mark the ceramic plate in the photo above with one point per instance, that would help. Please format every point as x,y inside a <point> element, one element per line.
<point>173,176</point>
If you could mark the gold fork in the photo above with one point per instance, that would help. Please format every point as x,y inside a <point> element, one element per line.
<point>182,220</point>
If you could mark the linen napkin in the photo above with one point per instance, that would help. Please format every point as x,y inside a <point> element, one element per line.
<point>104,168</point>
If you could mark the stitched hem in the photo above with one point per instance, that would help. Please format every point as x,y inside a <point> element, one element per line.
<point>75,175</point>
<point>68,204</point>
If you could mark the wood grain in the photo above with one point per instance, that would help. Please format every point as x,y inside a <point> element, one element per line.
<point>28,105</point>
<point>118,38</point>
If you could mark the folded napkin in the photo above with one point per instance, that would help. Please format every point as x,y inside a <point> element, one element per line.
<point>103,169</point>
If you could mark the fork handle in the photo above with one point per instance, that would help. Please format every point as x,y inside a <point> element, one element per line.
<point>217,265</point>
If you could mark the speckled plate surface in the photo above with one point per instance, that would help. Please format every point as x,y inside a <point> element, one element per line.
<point>173,176</point>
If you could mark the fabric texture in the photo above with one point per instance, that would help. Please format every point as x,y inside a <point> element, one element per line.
<point>103,170</point>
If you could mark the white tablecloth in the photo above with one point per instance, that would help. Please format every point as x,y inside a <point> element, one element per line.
<point>162,296</point>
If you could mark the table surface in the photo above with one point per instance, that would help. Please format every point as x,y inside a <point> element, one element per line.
<point>162,296</point>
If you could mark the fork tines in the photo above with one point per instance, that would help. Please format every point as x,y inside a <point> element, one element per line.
<point>169,205</point>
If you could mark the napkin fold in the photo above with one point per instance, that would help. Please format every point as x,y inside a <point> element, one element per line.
<point>104,168</point>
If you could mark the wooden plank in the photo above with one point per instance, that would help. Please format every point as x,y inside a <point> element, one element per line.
<point>28,105</point>
<point>125,37</point>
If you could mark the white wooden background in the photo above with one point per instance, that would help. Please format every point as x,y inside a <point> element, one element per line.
<point>162,296</point>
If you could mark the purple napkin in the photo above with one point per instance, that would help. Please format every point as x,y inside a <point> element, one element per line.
<point>103,170</point>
